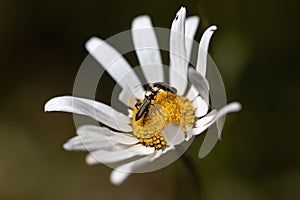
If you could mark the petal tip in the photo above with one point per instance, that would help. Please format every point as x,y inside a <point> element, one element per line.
<point>92,44</point>
<point>48,107</point>
<point>90,160</point>
<point>140,22</point>
<point>180,14</point>
<point>117,177</point>
<point>56,103</point>
<point>236,106</point>
<point>182,9</point>
<point>195,19</point>
<point>67,146</point>
<point>213,28</point>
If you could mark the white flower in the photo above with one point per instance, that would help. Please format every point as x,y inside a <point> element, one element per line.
<point>128,144</point>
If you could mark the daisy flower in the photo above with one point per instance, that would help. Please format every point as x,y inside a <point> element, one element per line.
<point>160,118</point>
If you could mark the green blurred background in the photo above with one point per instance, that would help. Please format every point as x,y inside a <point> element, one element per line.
<point>256,49</point>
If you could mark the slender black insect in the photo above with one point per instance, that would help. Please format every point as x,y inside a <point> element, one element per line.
<point>143,107</point>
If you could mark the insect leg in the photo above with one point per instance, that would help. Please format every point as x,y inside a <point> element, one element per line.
<point>138,104</point>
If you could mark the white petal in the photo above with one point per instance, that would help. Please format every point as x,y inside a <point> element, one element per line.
<point>91,137</point>
<point>178,56</point>
<point>189,133</point>
<point>201,107</point>
<point>127,98</point>
<point>202,59</point>
<point>75,144</point>
<point>173,134</point>
<point>130,113</point>
<point>118,153</point>
<point>157,155</point>
<point>166,149</point>
<point>114,64</point>
<point>191,25</point>
<point>107,135</point>
<point>119,175</point>
<point>147,49</point>
<point>203,50</point>
<point>232,107</point>
<point>192,93</point>
<point>200,83</point>
<point>206,119</point>
<point>85,143</point>
<point>96,110</point>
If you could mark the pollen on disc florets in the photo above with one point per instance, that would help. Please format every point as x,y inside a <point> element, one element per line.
<point>165,108</point>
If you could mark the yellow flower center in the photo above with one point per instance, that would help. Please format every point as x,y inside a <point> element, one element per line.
<point>165,108</point>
